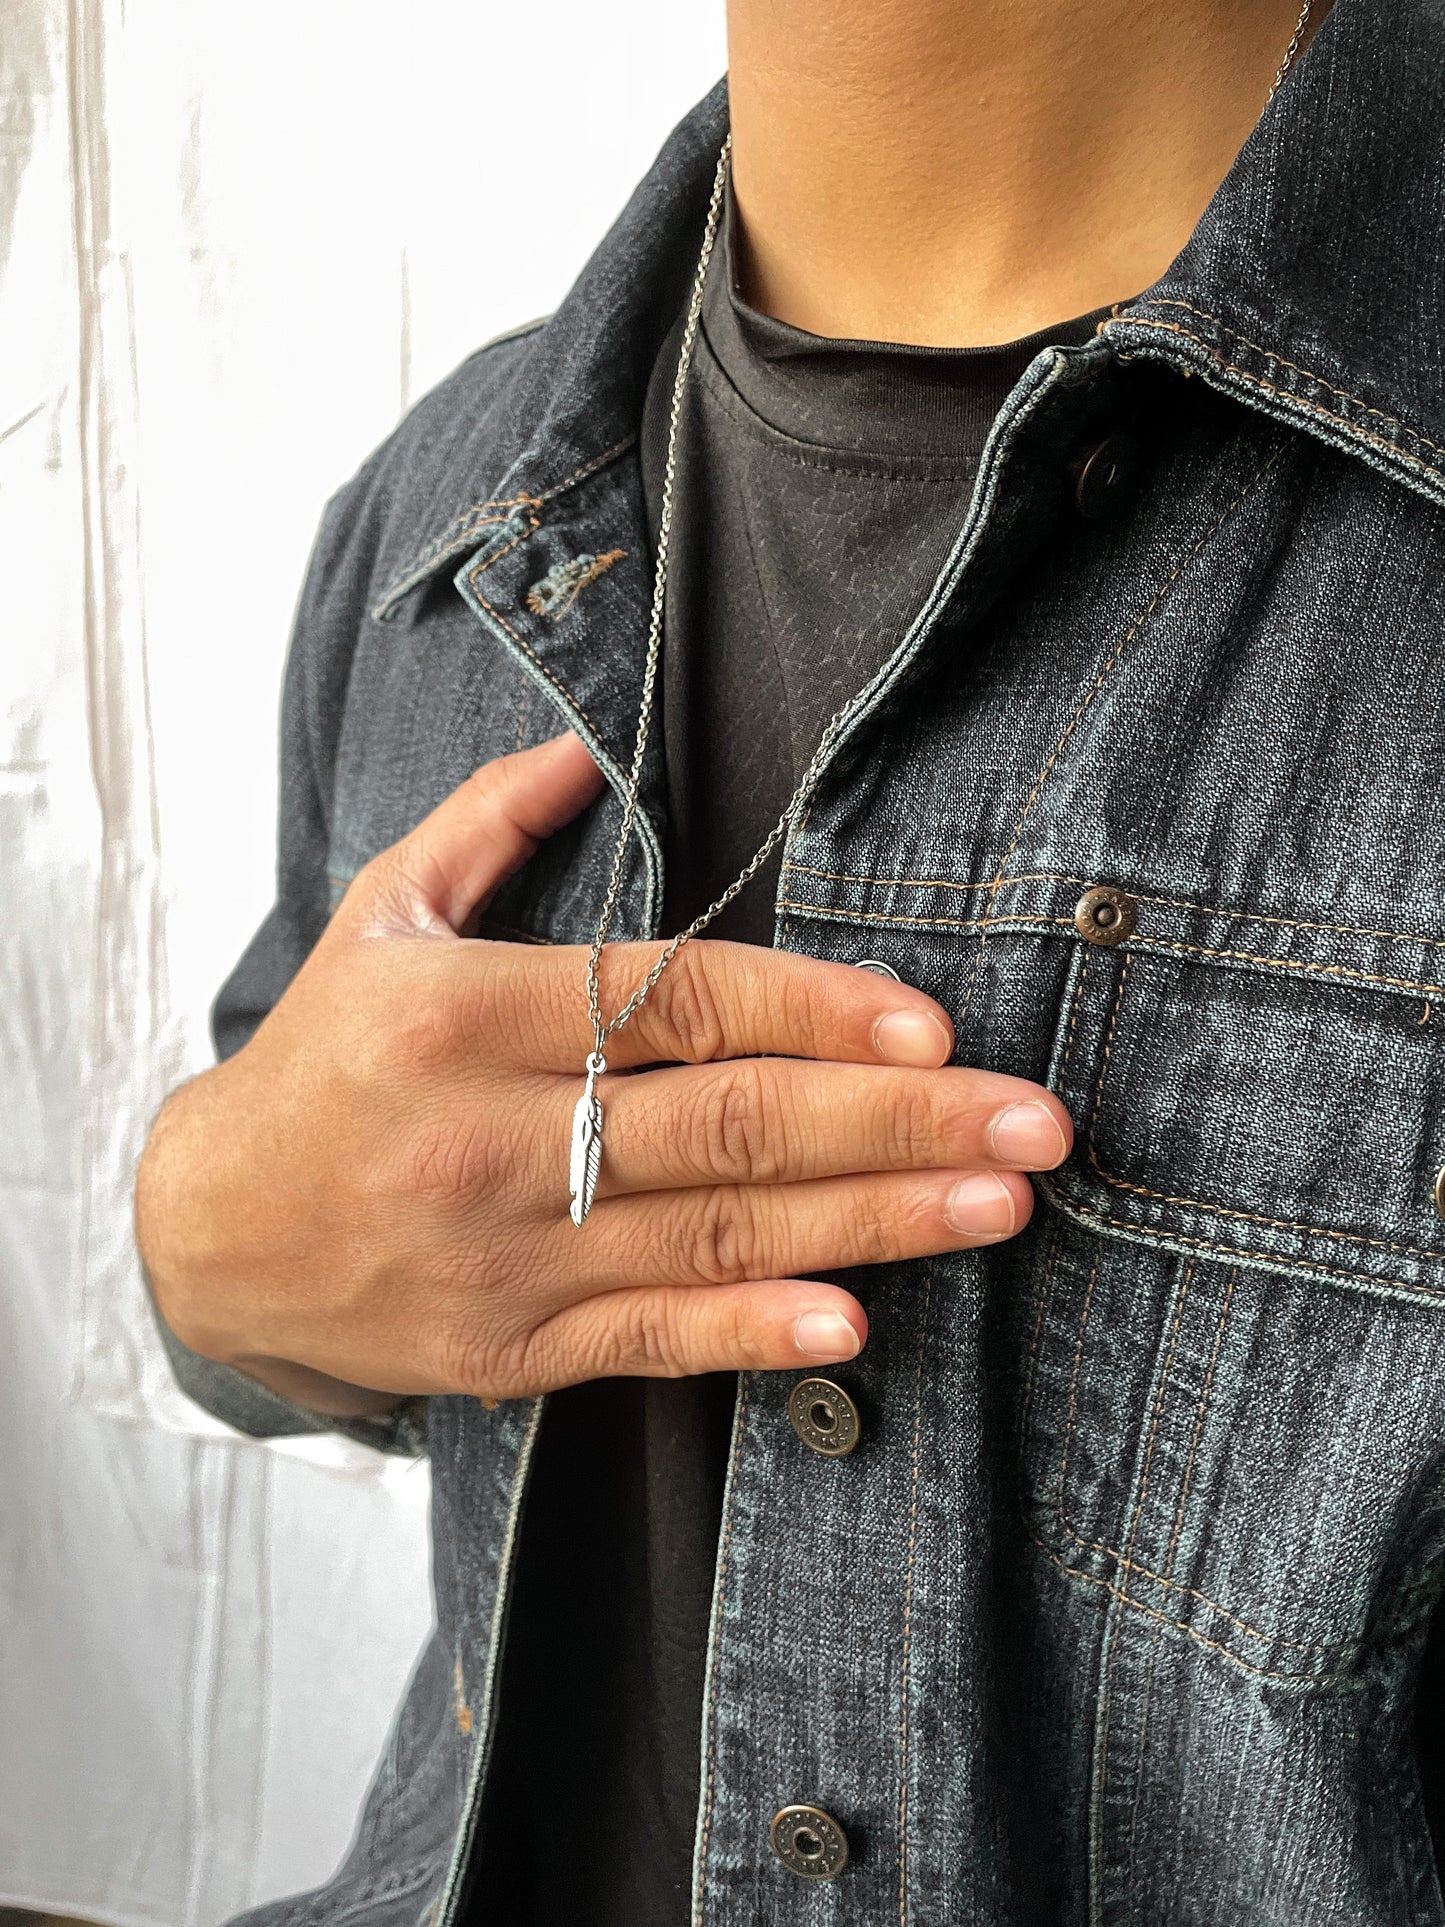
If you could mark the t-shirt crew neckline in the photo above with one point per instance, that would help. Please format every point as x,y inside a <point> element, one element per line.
<point>908,400</point>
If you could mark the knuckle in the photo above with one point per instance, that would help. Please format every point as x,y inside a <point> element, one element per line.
<point>640,1337</point>
<point>876,1228</point>
<point>426,1032</point>
<point>737,1335</point>
<point>739,1127</point>
<point>910,1124</point>
<point>454,1158</point>
<point>687,1014</point>
<point>474,1346</point>
<point>719,1236</point>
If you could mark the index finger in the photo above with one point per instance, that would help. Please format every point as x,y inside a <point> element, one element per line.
<point>718,999</point>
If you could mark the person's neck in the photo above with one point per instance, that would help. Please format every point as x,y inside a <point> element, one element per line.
<point>958,172</point>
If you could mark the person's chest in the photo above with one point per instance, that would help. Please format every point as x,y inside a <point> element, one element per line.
<point>1152,805</point>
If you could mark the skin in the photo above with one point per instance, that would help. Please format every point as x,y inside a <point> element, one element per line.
<point>958,172</point>
<point>369,1200</point>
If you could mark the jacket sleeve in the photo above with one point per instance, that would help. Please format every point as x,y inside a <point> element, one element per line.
<point>329,614</point>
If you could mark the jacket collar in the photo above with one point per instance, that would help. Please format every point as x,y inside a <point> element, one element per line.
<point>1313,287</point>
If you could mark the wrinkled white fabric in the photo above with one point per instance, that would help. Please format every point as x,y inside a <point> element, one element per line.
<point>233,244</point>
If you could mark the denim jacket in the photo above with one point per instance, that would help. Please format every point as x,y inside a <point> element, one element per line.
<point>1117,1613</point>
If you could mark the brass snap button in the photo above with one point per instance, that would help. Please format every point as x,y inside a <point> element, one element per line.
<point>1440,1192</point>
<point>878,969</point>
<point>824,1417</point>
<point>1105,478</point>
<point>809,1842</point>
<point>1105,915</point>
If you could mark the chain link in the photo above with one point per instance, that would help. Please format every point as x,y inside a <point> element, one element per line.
<point>601,1030</point>
<point>1291,50</point>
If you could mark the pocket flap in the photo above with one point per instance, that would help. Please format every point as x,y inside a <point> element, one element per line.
<point>1290,1125</point>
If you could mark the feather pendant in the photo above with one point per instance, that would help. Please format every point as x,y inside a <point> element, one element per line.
<point>586,1143</point>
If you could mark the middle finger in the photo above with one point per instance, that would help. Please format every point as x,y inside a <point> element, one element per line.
<point>777,1120</point>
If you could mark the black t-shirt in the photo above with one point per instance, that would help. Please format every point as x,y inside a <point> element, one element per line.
<point>820,487</point>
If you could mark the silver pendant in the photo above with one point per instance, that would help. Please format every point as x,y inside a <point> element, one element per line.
<point>587,1141</point>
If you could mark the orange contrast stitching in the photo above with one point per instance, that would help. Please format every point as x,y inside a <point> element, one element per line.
<point>1182,1626</point>
<point>722,1574</point>
<point>522,642</point>
<point>1100,679</point>
<point>1200,1410</point>
<point>465,526</point>
<point>1220,1210</point>
<point>1254,1217</point>
<point>905,923</point>
<point>1074,1018</point>
<point>1148,1688</point>
<point>1061,1502</point>
<point>1173,903</point>
<point>599,565</point>
<point>1121,1559</point>
<point>1108,1049</point>
<point>908,1606</point>
<point>1340,972</point>
<point>1146,1232</point>
<point>1046,1293</point>
<point>1298,401</point>
<point>466,523</point>
<point>588,468</point>
<point>1295,368</point>
<point>1180,1295</point>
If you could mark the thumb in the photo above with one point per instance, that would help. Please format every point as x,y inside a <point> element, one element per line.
<point>455,859</point>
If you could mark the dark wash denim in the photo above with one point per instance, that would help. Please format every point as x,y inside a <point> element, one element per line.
<point>1117,1614</point>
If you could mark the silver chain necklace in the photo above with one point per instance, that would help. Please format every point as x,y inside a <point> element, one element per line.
<point>587,1118</point>
<point>586,1160</point>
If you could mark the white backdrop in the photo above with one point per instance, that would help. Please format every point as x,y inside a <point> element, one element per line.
<point>234,244</point>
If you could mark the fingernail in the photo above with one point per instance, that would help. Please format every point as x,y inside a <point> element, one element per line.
<point>981,1206</point>
<point>912,1037</point>
<point>826,1336</point>
<point>1028,1137</point>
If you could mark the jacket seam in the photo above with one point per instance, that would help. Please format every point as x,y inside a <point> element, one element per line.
<point>1099,1791</point>
<point>468,526</point>
<point>710,1705</point>
<point>1336,972</point>
<point>1140,896</point>
<point>521,641</point>
<point>1273,1259</point>
<point>1160,595</point>
<point>1146,1694</point>
<point>1281,361</point>
<point>1120,1557</point>
<point>465,524</point>
<point>903,1736</point>
<point>1226,366</point>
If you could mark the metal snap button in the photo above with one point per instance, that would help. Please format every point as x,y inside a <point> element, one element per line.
<point>824,1417</point>
<point>809,1842</point>
<point>1105,478</point>
<point>1105,915</point>
<point>1440,1192</point>
<point>878,969</point>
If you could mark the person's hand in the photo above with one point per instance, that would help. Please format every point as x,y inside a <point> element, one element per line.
<point>372,1193</point>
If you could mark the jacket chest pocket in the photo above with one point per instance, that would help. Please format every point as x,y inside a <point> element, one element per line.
<point>1235,1405</point>
<point>1229,1115</point>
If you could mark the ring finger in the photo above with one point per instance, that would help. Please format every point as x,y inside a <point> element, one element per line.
<point>725,1234</point>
